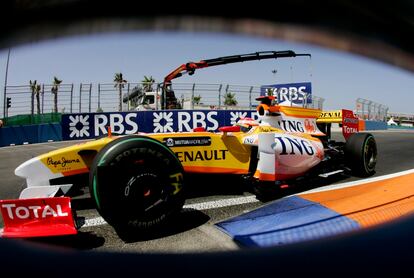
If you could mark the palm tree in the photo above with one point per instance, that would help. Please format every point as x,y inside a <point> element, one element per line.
<point>54,90</point>
<point>269,92</point>
<point>120,83</point>
<point>35,88</point>
<point>147,83</point>
<point>229,99</point>
<point>196,100</point>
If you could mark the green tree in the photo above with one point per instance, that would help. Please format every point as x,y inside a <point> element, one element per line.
<point>269,92</point>
<point>54,90</point>
<point>119,83</point>
<point>147,83</point>
<point>229,99</point>
<point>196,100</point>
<point>36,88</point>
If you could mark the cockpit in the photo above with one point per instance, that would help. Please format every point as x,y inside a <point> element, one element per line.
<point>246,124</point>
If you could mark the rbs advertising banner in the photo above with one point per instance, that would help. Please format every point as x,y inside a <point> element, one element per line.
<point>296,93</point>
<point>92,125</point>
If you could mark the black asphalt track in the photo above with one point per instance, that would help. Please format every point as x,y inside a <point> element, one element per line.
<point>193,230</point>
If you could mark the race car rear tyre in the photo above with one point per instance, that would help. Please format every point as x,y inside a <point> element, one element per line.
<point>361,154</point>
<point>136,183</point>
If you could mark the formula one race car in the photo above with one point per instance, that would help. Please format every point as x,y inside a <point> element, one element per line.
<point>137,181</point>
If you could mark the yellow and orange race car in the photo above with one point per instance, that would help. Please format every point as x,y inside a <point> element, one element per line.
<point>137,181</point>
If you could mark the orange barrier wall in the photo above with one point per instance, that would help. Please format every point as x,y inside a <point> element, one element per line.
<point>361,125</point>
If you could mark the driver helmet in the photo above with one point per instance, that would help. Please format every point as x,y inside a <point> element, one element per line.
<point>246,124</point>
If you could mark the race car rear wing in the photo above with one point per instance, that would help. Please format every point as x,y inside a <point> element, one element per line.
<point>345,118</point>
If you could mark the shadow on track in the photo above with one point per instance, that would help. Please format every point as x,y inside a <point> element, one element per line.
<point>204,185</point>
<point>186,220</point>
<point>209,185</point>
<point>298,186</point>
<point>80,241</point>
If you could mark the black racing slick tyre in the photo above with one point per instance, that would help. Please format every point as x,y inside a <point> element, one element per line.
<point>136,183</point>
<point>361,154</point>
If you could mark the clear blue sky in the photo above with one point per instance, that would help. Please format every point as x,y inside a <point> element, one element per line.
<point>338,77</point>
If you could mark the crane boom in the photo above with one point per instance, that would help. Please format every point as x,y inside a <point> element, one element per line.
<point>190,67</point>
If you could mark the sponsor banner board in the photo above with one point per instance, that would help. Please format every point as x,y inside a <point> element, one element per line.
<point>93,125</point>
<point>296,93</point>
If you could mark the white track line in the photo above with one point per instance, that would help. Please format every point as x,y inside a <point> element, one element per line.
<point>198,206</point>
<point>252,199</point>
<point>359,182</point>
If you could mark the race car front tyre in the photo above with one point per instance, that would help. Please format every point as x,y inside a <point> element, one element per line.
<point>361,154</point>
<point>136,183</point>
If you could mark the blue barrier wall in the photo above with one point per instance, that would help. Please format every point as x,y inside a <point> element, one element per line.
<point>30,133</point>
<point>92,125</point>
<point>374,125</point>
<point>400,127</point>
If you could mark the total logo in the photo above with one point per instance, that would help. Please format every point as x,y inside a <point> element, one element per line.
<point>350,129</point>
<point>22,212</point>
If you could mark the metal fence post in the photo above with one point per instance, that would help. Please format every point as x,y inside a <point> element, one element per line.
<point>4,102</point>
<point>364,112</point>
<point>32,100</point>
<point>90,96</point>
<point>80,97</point>
<point>219,96</point>
<point>305,100</point>
<point>71,98</point>
<point>192,96</point>
<point>43,98</point>
<point>250,97</point>
<point>369,110</point>
<point>128,106</point>
<point>156,95</point>
<point>99,95</point>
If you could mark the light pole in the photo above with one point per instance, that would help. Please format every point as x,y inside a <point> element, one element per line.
<point>5,85</point>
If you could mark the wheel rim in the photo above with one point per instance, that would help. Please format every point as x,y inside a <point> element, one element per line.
<point>370,154</point>
<point>144,191</point>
